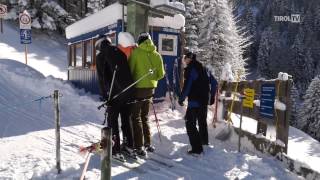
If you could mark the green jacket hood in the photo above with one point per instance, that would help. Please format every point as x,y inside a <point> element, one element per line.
<point>147,45</point>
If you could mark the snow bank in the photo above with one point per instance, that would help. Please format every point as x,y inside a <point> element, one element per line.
<point>27,135</point>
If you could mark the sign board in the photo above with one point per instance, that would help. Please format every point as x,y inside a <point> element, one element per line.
<point>25,20</point>
<point>249,98</point>
<point>267,100</point>
<point>3,11</point>
<point>25,36</point>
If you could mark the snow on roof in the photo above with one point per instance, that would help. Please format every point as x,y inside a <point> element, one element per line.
<point>176,22</point>
<point>111,14</point>
<point>107,16</point>
<point>177,5</point>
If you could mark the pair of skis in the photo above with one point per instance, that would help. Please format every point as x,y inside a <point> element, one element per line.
<point>172,89</point>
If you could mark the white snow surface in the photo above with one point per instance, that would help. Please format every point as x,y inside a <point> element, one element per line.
<point>176,22</point>
<point>45,54</point>
<point>27,135</point>
<point>175,4</point>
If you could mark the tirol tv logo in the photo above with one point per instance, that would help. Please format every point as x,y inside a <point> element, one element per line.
<point>294,18</point>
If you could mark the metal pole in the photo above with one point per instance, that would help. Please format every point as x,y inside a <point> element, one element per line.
<point>57,118</point>
<point>1,25</point>
<point>240,132</point>
<point>106,141</point>
<point>26,53</point>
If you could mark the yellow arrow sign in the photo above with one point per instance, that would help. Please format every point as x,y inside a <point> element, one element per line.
<point>249,98</point>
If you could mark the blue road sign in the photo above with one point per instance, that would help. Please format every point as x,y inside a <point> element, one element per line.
<point>267,100</point>
<point>25,36</point>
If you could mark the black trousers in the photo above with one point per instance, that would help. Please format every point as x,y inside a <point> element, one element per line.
<point>126,126</point>
<point>140,123</point>
<point>197,137</point>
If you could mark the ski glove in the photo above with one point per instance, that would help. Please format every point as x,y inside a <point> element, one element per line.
<point>181,102</point>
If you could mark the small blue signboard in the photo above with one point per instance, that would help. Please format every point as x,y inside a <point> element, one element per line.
<point>25,36</point>
<point>267,100</point>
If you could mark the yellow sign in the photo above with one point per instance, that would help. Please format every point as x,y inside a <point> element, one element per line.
<point>249,98</point>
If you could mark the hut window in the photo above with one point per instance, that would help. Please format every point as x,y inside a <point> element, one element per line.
<point>88,54</point>
<point>78,53</point>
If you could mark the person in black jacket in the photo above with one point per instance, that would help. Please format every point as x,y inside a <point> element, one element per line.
<point>200,87</point>
<point>111,61</point>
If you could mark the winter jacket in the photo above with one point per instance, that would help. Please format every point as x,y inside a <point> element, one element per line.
<point>111,57</point>
<point>144,58</point>
<point>127,50</point>
<point>199,85</point>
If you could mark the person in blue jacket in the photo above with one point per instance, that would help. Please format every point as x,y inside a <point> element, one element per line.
<point>200,88</point>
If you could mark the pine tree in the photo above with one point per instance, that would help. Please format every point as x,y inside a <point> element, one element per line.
<point>295,101</point>
<point>220,39</point>
<point>194,11</point>
<point>301,63</point>
<point>264,53</point>
<point>310,114</point>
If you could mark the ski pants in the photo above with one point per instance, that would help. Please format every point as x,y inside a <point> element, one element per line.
<point>197,137</point>
<point>139,115</point>
<point>140,122</point>
<point>126,126</point>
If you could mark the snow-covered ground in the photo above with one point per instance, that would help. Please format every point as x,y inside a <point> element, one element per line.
<point>27,135</point>
<point>45,54</point>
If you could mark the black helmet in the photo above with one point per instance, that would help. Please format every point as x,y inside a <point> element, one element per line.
<point>191,56</point>
<point>102,42</point>
<point>143,36</point>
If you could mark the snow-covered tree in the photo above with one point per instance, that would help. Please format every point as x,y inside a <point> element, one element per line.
<point>310,113</point>
<point>45,14</point>
<point>301,63</point>
<point>220,40</point>
<point>194,12</point>
<point>295,101</point>
<point>264,52</point>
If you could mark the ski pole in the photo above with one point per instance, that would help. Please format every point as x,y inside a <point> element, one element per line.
<point>130,86</point>
<point>157,122</point>
<point>169,90</point>
<point>111,87</point>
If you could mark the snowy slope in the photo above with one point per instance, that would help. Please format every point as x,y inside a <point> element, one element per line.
<point>44,54</point>
<point>28,140</point>
<point>27,137</point>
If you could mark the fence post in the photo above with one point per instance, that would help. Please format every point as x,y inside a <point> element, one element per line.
<point>106,140</point>
<point>57,118</point>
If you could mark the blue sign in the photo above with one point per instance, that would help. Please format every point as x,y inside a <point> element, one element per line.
<point>25,36</point>
<point>267,100</point>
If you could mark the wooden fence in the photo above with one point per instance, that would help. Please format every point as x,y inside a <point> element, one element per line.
<point>280,118</point>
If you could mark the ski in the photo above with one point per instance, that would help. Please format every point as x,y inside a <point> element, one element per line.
<point>130,166</point>
<point>141,160</point>
<point>160,162</point>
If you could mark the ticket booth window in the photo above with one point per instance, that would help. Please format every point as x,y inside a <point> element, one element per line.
<point>168,45</point>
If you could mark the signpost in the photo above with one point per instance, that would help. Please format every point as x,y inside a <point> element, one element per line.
<point>267,100</point>
<point>3,13</point>
<point>25,31</point>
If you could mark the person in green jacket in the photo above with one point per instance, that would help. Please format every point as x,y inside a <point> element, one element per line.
<point>143,60</point>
